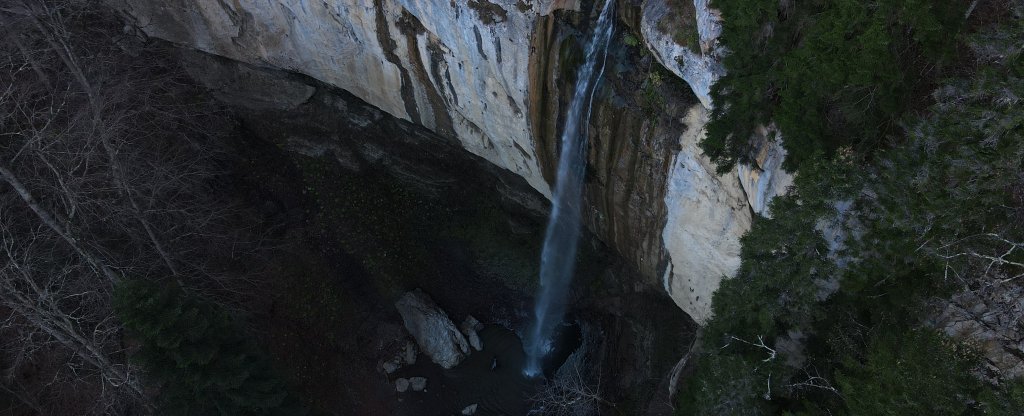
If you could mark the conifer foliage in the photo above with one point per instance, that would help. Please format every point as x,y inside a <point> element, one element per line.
<point>829,73</point>
<point>833,309</point>
<point>201,362</point>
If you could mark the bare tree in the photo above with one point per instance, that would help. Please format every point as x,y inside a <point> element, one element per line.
<point>107,172</point>
<point>52,304</point>
<point>575,388</point>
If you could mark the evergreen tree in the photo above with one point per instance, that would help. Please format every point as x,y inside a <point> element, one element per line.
<point>829,73</point>
<point>842,328</point>
<point>202,363</point>
<point>918,372</point>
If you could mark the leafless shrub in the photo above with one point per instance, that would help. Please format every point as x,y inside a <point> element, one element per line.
<point>107,163</point>
<point>575,389</point>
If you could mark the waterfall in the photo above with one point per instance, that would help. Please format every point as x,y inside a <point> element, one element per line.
<point>558,258</point>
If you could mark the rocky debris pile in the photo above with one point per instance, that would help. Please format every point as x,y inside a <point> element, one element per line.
<point>436,334</point>
<point>403,385</point>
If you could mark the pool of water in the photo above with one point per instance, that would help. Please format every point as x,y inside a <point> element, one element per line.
<point>492,378</point>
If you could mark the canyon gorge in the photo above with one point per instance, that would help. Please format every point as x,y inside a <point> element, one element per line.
<point>511,207</point>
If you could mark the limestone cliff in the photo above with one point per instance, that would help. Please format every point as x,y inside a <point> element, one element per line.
<point>457,68</point>
<point>489,74</point>
<point>683,37</point>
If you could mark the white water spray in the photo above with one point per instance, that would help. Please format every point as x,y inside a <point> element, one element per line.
<point>558,258</point>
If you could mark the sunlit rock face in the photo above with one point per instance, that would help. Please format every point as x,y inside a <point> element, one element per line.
<point>685,40</point>
<point>707,215</point>
<point>458,68</point>
<point>489,74</point>
<point>690,49</point>
<point>765,179</point>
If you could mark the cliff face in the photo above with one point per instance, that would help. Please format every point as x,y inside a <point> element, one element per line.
<point>488,74</point>
<point>457,68</point>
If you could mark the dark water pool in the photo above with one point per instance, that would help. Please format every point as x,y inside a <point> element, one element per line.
<point>501,390</point>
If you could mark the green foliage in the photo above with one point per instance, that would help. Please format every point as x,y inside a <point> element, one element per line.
<point>957,187</point>
<point>630,40</point>
<point>679,21</point>
<point>829,73</point>
<point>914,373</point>
<point>1007,401</point>
<point>653,100</point>
<point>201,361</point>
<point>844,317</point>
<point>725,385</point>
<point>775,288</point>
<point>785,267</point>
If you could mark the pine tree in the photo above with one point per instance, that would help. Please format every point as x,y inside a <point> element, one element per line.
<point>830,74</point>
<point>201,361</point>
<point>937,213</point>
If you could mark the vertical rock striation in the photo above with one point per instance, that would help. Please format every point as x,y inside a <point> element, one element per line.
<point>455,67</point>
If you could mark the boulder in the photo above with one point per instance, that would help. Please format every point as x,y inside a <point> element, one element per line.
<point>392,365</point>
<point>418,383</point>
<point>469,410</point>
<point>433,331</point>
<point>402,385</point>
<point>469,328</point>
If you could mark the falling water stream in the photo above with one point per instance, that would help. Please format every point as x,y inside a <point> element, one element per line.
<point>558,258</point>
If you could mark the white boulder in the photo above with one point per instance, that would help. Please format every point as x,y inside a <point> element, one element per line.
<point>433,331</point>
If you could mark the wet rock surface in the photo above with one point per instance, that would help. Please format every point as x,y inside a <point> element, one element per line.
<point>499,391</point>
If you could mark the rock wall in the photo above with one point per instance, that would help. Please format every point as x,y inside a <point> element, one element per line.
<point>989,320</point>
<point>627,167</point>
<point>688,48</point>
<point>701,256</point>
<point>457,68</point>
<point>487,75</point>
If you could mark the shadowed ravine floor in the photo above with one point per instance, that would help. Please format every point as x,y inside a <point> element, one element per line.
<point>502,390</point>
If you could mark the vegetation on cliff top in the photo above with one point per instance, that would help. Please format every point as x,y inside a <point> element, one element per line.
<point>828,312</point>
<point>829,73</point>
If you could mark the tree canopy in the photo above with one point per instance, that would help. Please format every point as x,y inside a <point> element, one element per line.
<point>829,73</point>
<point>829,312</point>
